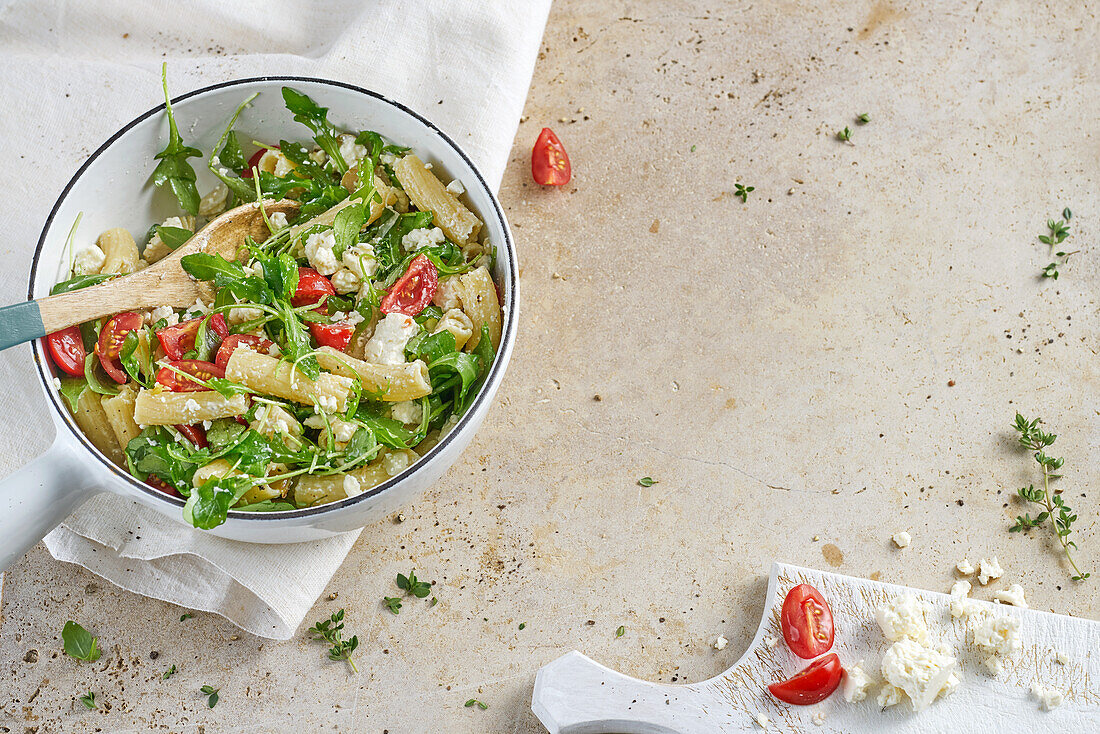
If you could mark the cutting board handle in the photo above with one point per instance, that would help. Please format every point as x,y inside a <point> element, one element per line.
<point>576,695</point>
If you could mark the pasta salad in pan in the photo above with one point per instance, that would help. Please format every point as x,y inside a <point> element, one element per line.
<point>329,356</point>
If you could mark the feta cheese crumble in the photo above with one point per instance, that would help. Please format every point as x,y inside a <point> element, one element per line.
<point>721,642</point>
<point>923,673</point>
<point>1049,698</point>
<point>191,406</point>
<point>856,684</point>
<point>387,344</point>
<point>407,411</point>
<point>56,383</point>
<point>422,237</point>
<point>360,260</point>
<point>351,486</point>
<point>819,718</point>
<point>889,695</point>
<point>964,567</point>
<point>998,637</point>
<point>903,617</point>
<point>319,252</point>
<point>278,221</point>
<point>345,281</point>
<point>244,313</point>
<point>989,570</point>
<point>771,642</point>
<point>961,606</point>
<point>1061,658</point>
<point>761,720</point>
<point>456,188</point>
<point>902,539</point>
<point>89,260</point>
<point>1013,595</point>
<point>164,312</point>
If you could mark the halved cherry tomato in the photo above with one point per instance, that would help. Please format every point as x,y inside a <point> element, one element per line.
<point>159,484</point>
<point>337,335</point>
<point>253,162</point>
<point>170,376</point>
<point>193,433</point>
<point>549,161</point>
<point>178,340</point>
<point>232,342</point>
<point>811,685</point>
<point>807,622</point>
<point>67,350</point>
<point>414,290</point>
<point>312,287</point>
<point>111,337</point>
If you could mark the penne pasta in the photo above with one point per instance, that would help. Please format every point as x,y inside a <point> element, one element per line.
<point>92,420</point>
<point>480,302</point>
<point>119,410</point>
<point>429,194</point>
<point>459,324</point>
<point>393,382</point>
<point>271,376</point>
<point>120,250</point>
<point>162,408</point>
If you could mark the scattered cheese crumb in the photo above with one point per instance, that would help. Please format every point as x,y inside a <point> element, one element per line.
<point>965,567</point>
<point>998,637</point>
<point>56,383</point>
<point>345,281</point>
<point>1061,658</point>
<point>319,252</point>
<point>989,570</point>
<point>771,642</point>
<point>89,260</point>
<point>903,617</point>
<point>456,188</point>
<point>889,695</point>
<point>1013,595</point>
<point>961,606</point>
<point>856,684</point>
<point>351,486</point>
<point>923,673</point>
<point>721,642</point>
<point>407,411</point>
<point>422,237</point>
<point>1049,698</point>
<point>387,344</point>
<point>902,539</point>
<point>819,718</point>
<point>191,406</point>
<point>761,720</point>
<point>278,221</point>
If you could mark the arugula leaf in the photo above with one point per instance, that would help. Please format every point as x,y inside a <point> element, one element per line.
<point>173,169</point>
<point>345,228</point>
<point>173,237</point>
<point>80,281</point>
<point>232,156</point>
<point>464,369</point>
<point>129,358</point>
<point>222,433</point>
<point>92,377</point>
<point>71,389</point>
<point>227,275</point>
<point>297,154</point>
<point>280,273</point>
<point>385,236</point>
<point>251,454</point>
<point>363,446</point>
<point>431,347</point>
<point>295,343</point>
<point>155,451</point>
<point>387,431</point>
<point>208,506</point>
<point>315,117</point>
<point>79,642</point>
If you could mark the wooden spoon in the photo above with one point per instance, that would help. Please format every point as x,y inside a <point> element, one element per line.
<point>163,283</point>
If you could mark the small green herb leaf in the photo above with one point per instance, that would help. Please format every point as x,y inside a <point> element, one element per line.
<point>863,119</point>
<point>412,585</point>
<point>212,695</point>
<point>845,135</point>
<point>173,170</point>
<point>88,699</point>
<point>647,481</point>
<point>185,616</point>
<point>79,642</point>
<point>393,603</point>
<point>741,192</point>
<point>475,702</point>
<point>620,632</point>
<point>329,630</point>
<point>169,673</point>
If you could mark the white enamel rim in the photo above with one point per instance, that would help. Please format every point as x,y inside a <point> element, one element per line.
<point>496,371</point>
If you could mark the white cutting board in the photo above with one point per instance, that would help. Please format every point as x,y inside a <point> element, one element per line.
<point>575,695</point>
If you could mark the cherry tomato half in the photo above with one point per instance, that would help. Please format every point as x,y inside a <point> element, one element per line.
<point>113,367</point>
<point>807,622</point>
<point>67,350</point>
<point>337,335</point>
<point>414,290</point>
<point>159,484</point>
<point>111,337</point>
<point>232,342</point>
<point>253,162</point>
<point>549,161</point>
<point>178,340</point>
<point>813,684</point>
<point>312,287</point>
<point>193,433</point>
<point>171,377</point>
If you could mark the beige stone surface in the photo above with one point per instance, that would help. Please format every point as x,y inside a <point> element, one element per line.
<point>838,358</point>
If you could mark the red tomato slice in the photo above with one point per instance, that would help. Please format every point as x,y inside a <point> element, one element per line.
<point>414,290</point>
<point>179,339</point>
<point>193,433</point>
<point>231,343</point>
<point>159,484</point>
<point>253,162</point>
<point>807,622</point>
<point>813,684</point>
<point>67,350</point>
<point>549,161</point>
<point>177,382</point>
<point>337,335</point>
<point>312,287</point>
<point>114,332</point>
<point>113,368</point>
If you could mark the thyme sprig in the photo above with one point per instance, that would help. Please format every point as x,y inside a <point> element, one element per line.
<point>741,192</point>
<point>1058,232</point>
<point>1060,515</point>
<point>329,631</point>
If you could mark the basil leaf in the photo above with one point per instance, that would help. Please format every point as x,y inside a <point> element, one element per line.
<point>80,281</point>
<point>208,506</point>
<point>173,170</point>
<point>174,236</point>
<point>346,226</point>
<point>79,642</point>
<point>92,376</point>
<point>315,117</point>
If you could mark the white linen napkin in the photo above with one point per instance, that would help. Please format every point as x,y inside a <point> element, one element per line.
<point>76,72</point>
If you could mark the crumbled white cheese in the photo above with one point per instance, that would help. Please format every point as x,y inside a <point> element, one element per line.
<point>961,606</point>
<point>342,430</point>
<point>1049,698</point>
<point>902,539</point>
<point>244,313</point>
<point>281,426</point>
<point>191,406</point>
<point>856,683</point>
<point>889,695</point>
<point>989,570</point>
<point>278,221</point>
<point>359,259</point>
<point>283,166</point>
<point>964,567</point>
<point>318,156</point>
<point>819,718</point>
<point>56,383</point>
<point>771,642</point>
<point>354,318</point>
<point>388,159</point>
<point>721,642</point>
<point>206,425</point>
<point>350,150</point>
<point>456,188</point>
<point>351,486</point>
<point>998,637</point>
<point>423,237</point>
<point>395,462</point>
<point>407,411</point>
<point>163,312</point>
<point>447,294</point>
<point>214,201</point>
<point>253,268</point>
<point>921,672</point>
<point>199,307</point>
<point>387,344</point>
<point>345,281</point>
<point>1061,658</point>
<point>319,252</point>
<point>903,617</point>
<point>327,403</point>
<point>89,260</point>
<point>1013,595</point>
<point>761,720</point>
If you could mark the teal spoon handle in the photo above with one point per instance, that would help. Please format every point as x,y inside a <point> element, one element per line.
<point>20,323</point>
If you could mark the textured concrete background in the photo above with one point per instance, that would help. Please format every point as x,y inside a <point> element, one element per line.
<point>839,358</point>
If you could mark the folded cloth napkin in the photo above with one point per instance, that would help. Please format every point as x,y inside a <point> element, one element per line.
<point>76,72</point>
